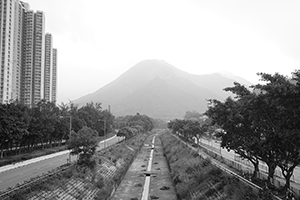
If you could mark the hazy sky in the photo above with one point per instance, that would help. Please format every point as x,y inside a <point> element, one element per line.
<point>98,40</point>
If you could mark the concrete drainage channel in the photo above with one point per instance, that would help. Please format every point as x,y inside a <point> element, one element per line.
<point>148,177</point>
<point>145,193</point>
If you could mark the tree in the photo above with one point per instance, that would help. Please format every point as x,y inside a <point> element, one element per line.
<point>49,115</point>
<point>193,129</point>
<point>265,123</point>
<point>83,143</point>
<point>177,126</point>
<point>77,122</point>
<point>282,99</point>
<point>136,120</point>
<point>129,132</point>
<point>141,120</point>
<point>234,117</point>
<point>192,115</point>
<point>13,124</point>
<point>108,125</point>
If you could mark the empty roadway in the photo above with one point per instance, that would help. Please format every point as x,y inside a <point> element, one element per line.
<point>10,178</point>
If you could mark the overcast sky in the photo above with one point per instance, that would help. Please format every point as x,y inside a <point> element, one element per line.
<point>98,40</point>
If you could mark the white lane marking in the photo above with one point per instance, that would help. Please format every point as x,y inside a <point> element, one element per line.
<point>146,188</point>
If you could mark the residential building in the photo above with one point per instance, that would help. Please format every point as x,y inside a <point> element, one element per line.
<point>25,55</point>
<point>38,57</point>
<point>28,61</point>
<point>11,32</point>
<point>54,75</point>
<point>48,67</point>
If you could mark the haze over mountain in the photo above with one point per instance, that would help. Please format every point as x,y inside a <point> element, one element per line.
<point>160,90</point>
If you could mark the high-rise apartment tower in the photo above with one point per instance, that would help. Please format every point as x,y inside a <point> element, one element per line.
<point>48,67</point>
<point>54,75</point>
<point>24,56</point>
<point>11,32</point>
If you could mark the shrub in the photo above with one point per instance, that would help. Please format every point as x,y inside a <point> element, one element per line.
<point>214,171</point>
<point>100,182</point>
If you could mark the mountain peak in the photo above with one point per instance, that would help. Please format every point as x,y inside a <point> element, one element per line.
<point>155,67</point>
<point>158,89</point>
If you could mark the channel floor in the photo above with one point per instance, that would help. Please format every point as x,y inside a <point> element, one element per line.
<point>161,185</point>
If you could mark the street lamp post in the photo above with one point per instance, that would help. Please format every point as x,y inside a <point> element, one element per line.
<point>70,130</point>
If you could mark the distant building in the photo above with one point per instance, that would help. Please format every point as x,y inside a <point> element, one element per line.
<point>38,57</point>
<point>48,67</point>
<point>11,33</point>
<point>24,57</point>
<point>54,75</point>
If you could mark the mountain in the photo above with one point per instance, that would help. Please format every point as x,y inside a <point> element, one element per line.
<point>159,90</point>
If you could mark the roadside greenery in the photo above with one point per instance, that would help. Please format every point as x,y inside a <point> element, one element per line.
<point>135,120</point>
<point>259,124</point>
<point>189,129</point>
<point>84,143</point>
<point>263,124</point>
<point>24,129</point>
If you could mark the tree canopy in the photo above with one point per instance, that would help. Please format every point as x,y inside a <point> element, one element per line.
<point>46,123</point>
<point>135,120</point>
<point>83,143</point>
<point>263,124</point>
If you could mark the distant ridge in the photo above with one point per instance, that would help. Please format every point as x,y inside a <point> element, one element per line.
<point>160,90</point>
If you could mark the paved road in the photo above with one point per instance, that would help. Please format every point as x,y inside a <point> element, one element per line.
<point>10,177</point>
